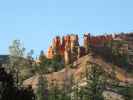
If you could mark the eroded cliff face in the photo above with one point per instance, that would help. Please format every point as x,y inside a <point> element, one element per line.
<point>70,50</point>
<point>68,47</point>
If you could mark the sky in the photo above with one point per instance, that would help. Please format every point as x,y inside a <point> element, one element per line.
<point>36,22</point>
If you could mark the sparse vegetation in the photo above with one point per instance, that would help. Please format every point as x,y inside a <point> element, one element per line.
<point>50,65</point>
<point>96,79</point>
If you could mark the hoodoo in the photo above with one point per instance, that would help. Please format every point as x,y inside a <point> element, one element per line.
<point>69,49</point>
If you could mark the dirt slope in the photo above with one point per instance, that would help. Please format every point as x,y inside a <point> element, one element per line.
<point>66,74</point>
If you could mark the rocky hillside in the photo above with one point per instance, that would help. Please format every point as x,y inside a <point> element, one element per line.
<point>114,57</point>
<point>78,72</point>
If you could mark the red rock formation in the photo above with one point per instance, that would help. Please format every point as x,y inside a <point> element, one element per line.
<point>68,47</point>
<point>63,47</point>
<point>50,53</point>
<point>56,44</point>
<point>86,42</point>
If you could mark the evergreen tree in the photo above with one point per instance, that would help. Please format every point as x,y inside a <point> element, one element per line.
<point>95,82</point>
<point>42,56</point>
<point>57,63</point>
<point>50,65</point>
<point>42,90</point>
<point>44,63</point>
<point>30,68</point>
<point>55,93</point>
<point>125,91</point>
<point>30,56</point>
<point>17,61</point>
<point>8,90</point>
<point>76,91</point>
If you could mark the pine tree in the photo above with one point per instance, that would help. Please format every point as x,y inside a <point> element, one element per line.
<point>8,90</point>
<point>17,61</point>
<point>42,57</point>
<point>42,90</point>
<point>75,91</point>
<point>95,82</point>
<point>44,63</point>
<point>30,69</point>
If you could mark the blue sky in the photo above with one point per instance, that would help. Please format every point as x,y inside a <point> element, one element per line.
<point>35,22</point>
